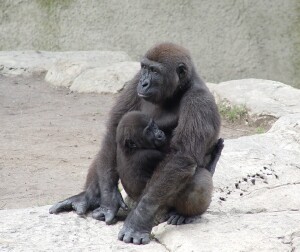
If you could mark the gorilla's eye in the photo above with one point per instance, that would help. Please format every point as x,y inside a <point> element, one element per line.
<point>130,144</point>
<point>143,66</point>
<point>153,70</point>
<point>181,70</point>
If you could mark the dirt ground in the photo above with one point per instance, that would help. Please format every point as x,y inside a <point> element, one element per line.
<point>49,137</point>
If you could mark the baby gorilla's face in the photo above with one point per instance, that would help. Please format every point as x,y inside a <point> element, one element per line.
<point>154,135</point>
<point>146,137</point>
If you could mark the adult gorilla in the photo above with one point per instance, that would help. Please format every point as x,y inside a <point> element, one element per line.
<point>168,89</point>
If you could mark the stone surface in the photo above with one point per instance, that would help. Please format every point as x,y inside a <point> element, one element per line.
<point>34,229</point>
<point>255,207</point>
<point>63,72</point>
<point>29,62</point>
<point>262,97</point>
<point>243,216</point>
<point>110,79</point>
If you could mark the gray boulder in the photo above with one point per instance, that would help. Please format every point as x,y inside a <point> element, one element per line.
<point>64,71</point>
<point>30,62</point>
<point>256,203</point>
<point>262,97</point>
<point>110,79</point>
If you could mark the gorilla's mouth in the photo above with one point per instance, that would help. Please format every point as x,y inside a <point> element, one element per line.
<point>143,96</point>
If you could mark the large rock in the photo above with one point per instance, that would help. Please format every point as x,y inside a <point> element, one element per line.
<point>256,204</point>
<point>256,207</point>
<point>262,97</point>
<point>109,79</point>
<point>63,72</point>
<point>29,62</point>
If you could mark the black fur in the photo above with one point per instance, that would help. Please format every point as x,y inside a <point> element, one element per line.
<point>140,147</point>
<point>167,89</point>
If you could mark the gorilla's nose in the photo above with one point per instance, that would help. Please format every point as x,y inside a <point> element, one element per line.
<point>160,135</point>
<point>146,84</point>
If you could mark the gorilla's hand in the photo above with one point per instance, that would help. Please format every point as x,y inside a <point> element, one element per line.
<point>134,231</point>
<point>81,203</point>
<point>111,201</point>
<point>138,224</point>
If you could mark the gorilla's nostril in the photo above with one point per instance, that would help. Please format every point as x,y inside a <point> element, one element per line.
<point>160,136</point>
<point>145,84</point>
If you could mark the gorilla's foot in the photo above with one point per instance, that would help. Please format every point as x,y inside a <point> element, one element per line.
<point>177,219</point>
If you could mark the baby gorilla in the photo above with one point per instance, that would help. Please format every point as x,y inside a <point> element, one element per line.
<point>140,147</point>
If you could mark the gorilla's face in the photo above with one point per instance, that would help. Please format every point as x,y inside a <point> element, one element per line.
<point>158,81</point>
<point>149,137</point>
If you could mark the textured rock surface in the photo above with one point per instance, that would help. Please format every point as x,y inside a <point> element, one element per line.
<point>256,207</point>
<point>29,62</point>
<point>262,97</point>
<point>34,229</point>
<point>247,216</point>
<point>109,79</point>
<point>228,39</point>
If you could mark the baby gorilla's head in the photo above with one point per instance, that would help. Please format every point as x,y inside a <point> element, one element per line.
<point>138,131</point>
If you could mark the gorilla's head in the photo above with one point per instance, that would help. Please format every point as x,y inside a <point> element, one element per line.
<point>166,70</point>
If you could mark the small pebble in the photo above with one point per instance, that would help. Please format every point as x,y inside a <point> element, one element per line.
<point>222,198</point>
<point>253,181</point>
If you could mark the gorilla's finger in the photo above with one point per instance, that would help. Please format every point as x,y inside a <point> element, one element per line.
<point>98,214</point>
<point>175,219</point>
<point>80,207</point>
<point>127,238</point>
<point>109,217</point>
<point>61,206</point>
<point>137,240</point>
<point>180,220</point>
<point>121,235</point>
<point>171,219</point>
<point>146,240</point>
<point>189,220</point>
<point>123,204</point>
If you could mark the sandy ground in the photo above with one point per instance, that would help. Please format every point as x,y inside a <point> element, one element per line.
<point>49,137</point>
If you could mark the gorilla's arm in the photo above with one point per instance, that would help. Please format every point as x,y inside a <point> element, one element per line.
<point>101,190</point>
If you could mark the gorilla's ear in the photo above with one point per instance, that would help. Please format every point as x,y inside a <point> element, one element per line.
<point>181,70</point>
<point>130,144</point>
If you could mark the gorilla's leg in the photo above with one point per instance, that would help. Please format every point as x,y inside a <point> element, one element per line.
<point>193,200</point>
<point>196,197</point>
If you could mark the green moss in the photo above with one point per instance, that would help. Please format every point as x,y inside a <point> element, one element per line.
<point>49,27</point>
<point>49,5</point>
<point>260,130</point>
<point>232,113</point>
